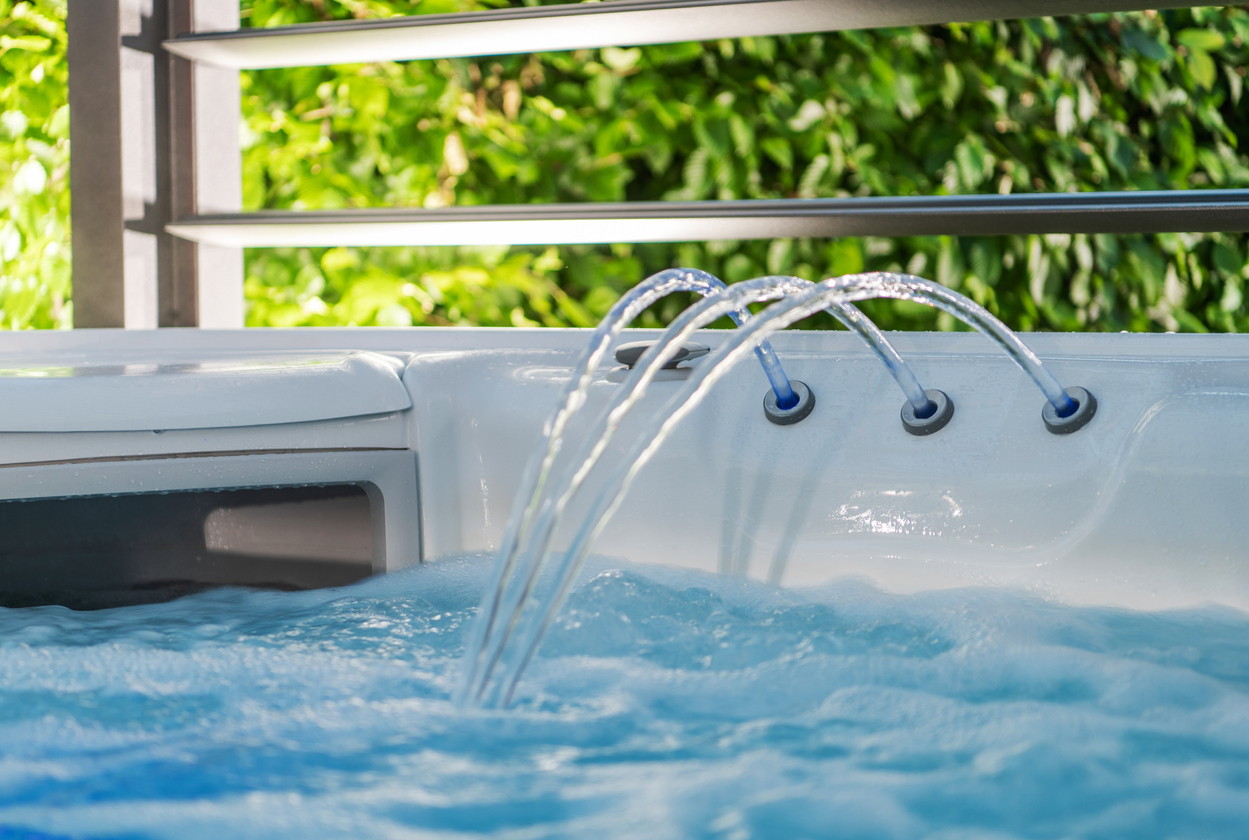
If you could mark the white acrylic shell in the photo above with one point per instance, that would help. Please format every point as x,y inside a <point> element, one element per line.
<point>135,391</point>
<point>1143,508</point>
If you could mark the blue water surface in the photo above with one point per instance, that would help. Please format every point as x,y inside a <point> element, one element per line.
<point>665,704</point>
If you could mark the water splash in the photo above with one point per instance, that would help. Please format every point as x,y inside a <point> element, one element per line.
<point>537,471</point>
<point>515,593</point>
<point>527,559</point>
<point>649,291</point>
<point>527,554</point>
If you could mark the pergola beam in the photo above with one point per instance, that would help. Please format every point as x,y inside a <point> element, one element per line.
<point>585,25</point>
<point>673,221</point>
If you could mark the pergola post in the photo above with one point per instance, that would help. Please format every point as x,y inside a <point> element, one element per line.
<point>209,161</point>
<point>153,138</point>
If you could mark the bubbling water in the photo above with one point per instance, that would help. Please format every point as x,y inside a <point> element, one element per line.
<point>664,704</point>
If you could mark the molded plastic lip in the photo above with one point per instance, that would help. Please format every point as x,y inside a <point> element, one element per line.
<point>1086,407</point>
<point>934,422</point>
<point>145,390</point>
<point>789,416</point>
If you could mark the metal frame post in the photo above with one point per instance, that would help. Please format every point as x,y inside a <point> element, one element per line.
<point>213,163</point>
<point>154,139</point>
<point>95,166</point>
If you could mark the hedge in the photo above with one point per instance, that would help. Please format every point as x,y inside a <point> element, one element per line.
<point>1100,102</point>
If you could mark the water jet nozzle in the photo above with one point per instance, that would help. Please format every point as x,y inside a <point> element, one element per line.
<point>1085,408</point>
<point>796,412</point>
<point>941,410</point>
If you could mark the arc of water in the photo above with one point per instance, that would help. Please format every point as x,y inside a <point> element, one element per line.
<point>855,321</point>
<point>975,315</point>
<point>528,563</point>
<point>845,289</point>
<point>633,303</point>
<point>693,319</point>
<point>549,515</point>
<point>573,397</point>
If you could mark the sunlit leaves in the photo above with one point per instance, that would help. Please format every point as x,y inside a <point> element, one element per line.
<point>1103,102</point>
<point>34,166</point>
<point>1136,101</point>
<point>1198,44</point>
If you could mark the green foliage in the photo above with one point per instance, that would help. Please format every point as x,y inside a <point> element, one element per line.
<point>34,160</point>
<point>413,285</point>
<point>1132,101</point>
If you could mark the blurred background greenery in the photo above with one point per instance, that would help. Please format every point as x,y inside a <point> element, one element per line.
<point>1101,102</point>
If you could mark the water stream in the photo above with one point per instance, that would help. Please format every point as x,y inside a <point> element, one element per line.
<point>525,617</point>
<point>573,398</point>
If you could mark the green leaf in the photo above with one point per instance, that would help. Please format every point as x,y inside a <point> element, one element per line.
<point>1143,44</point>
<point>30,179</point>
<point>986,260</point>
<point>780,256</point>
<point>14,123</point>
<point>779,151</point>
<point>29,43</point>
<point>339,259</point>
<point>58,126</point>
<point>808,115</point>
<point>973,161</point>
<point>621,60</point>
<point>1227,259</point>
<point>845,256</point>
<point>951,85</point>
<point>809,183</point>
<point>1201,66</point>
<point>1206,40</point>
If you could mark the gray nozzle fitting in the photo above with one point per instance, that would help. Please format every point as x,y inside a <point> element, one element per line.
<point>934,422</point>
<point>1086,407</point>
<point>789,416</point>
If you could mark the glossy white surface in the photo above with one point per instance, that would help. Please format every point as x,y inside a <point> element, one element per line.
<point>1139,509</point>
<point>1143,508</point>
<point>128,391</point>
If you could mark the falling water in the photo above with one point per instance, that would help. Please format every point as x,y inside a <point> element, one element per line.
<point>538,472</point>
<point>654,288</point>
<point>522,565</point>
<point>533,480</point>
